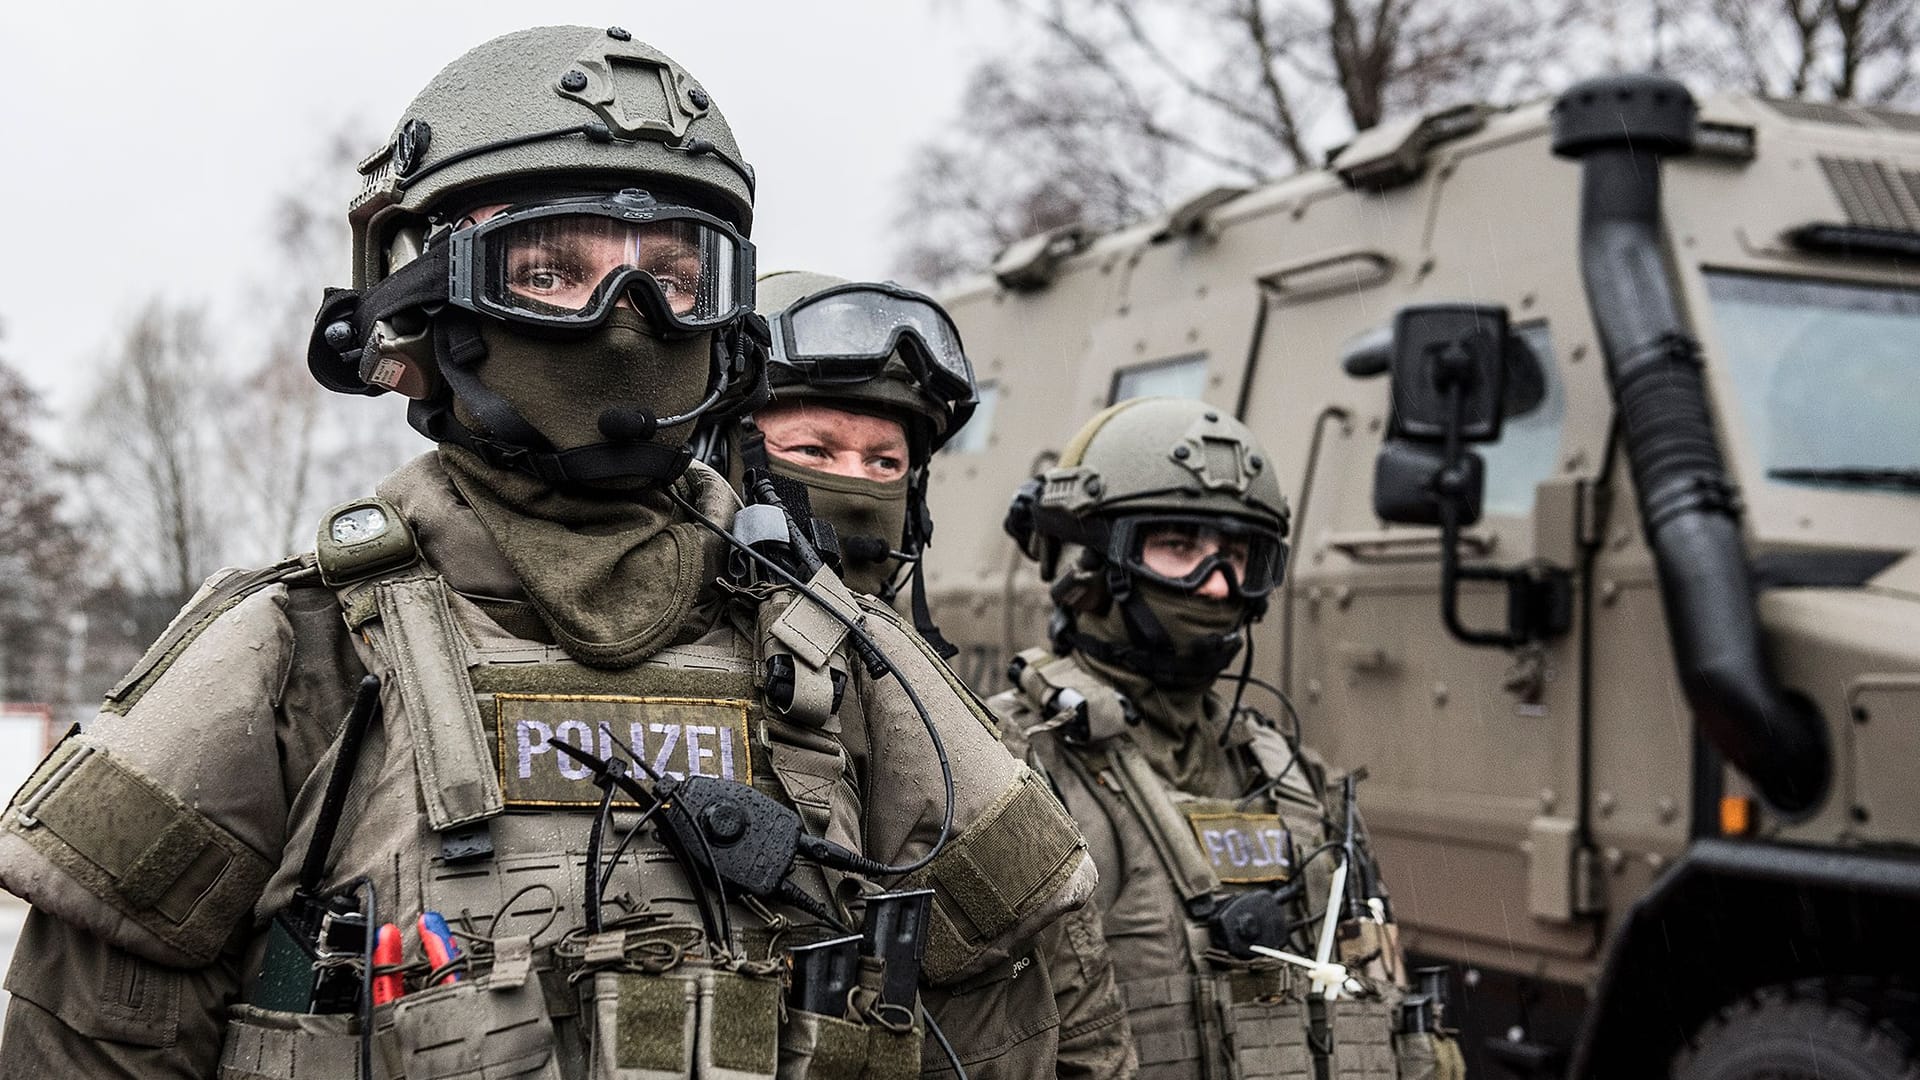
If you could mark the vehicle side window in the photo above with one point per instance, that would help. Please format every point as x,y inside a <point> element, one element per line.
<point>1528,450</point>
<point>1174,376</point>
<point>973,438</point>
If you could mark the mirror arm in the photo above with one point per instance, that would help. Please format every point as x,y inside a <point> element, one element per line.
<point>1451,572</point>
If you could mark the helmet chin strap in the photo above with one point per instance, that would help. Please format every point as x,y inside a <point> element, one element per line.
<point>507,440</point>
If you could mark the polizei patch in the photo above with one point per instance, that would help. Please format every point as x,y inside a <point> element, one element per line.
<point>678,736</point>
<point>1243,848</point>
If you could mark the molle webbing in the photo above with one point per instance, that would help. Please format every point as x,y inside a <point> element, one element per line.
<point>810,631</point>
<point>807,631</point>
<point>653,678</point>
<point>1016,855</point>
<point>430,658</point>
<point>214,599</point>
<point>161,864</point>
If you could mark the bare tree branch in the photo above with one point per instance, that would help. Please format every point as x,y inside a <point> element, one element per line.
<point>1119,105</point>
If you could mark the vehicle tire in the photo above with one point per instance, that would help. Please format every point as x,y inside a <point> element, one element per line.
<point>1780,1034</point>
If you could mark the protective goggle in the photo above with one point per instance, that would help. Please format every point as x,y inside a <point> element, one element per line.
<point>1182,552</point>
<point>846,334</point>
<point>565,264</point>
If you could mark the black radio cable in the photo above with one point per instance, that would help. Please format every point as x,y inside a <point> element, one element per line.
<point>869,648</point>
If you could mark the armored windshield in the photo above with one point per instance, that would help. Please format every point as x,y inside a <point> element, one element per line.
<point>1826,375</point>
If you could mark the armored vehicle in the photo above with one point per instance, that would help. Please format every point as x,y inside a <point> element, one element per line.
<point>1600,422</point>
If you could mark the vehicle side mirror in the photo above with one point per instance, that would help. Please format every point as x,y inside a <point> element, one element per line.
<point>1410,480</point>
<point>1449,368</point>
<point>1449,365</point>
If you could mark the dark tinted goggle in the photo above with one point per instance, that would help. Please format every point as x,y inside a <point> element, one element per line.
<point>565,264</point>
<point>846,334</point>
<point>1182,552</point>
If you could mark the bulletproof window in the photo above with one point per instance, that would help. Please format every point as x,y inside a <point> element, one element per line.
<point>1528,449</point>
<point>1175,376</point>
<point>974,437</point>
<point>1823,375</point>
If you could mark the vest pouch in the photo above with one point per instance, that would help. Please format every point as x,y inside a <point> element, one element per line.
<point>1161,1013</point>
<point>815,1047</point>
<point>1414,1054</point>
<point>266,1044</point>
<point>1269,1040</point>
<point>739,1025</point>
<point>477,1029</point>
<point>1362,1039</point>
<point>1265,1019</point>
<point>641,1025</point>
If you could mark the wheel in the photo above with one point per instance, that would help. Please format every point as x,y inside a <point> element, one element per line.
<point>1781,1034</point>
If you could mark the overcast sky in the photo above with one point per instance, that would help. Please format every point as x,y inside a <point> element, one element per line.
<point>141,143</point>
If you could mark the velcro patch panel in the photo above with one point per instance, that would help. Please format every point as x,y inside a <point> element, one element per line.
<point>1243,848</point>
<point>677,736</point>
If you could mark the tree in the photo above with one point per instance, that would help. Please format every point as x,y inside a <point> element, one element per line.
<point>288,448</point>
<point>40,554</point>
<point>1822,50</point>
<point>146,466</point>
<point>1121,104</point>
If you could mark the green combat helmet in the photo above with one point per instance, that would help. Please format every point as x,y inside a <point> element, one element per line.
<point>593,127</point>
<point>865,347</point>
<point>1143,468</point>
<point>868,346</point>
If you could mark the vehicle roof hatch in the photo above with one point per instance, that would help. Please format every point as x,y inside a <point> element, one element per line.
<point>1394,152</point>
<point>1030,264</point>
<point>1190,217</point>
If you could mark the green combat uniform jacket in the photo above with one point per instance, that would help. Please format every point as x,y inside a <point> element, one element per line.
<point>157,844</point>
<point>1179,825</point>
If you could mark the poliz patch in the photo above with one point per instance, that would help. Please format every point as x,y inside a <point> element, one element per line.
<point>677,736</point>
<point>1243,848</point>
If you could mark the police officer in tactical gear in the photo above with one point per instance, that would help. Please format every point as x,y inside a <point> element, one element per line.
<point>617,792</point>
<point>1234,879</point>
<point>868,380</point>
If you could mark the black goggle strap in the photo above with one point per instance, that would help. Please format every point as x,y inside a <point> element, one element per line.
<point>347,317</point>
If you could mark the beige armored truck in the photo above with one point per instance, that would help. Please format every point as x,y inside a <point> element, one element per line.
<point>1600,421</point>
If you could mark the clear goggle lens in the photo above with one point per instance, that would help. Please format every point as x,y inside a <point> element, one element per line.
<point>848,335</point>
<point>1182,553</point>
<point>570,263</point>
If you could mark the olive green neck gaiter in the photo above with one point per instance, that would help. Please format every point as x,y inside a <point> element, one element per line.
<point>614,578</point>
<point>562,385</point>
<point>855,507</point>
<point>1187,620</point>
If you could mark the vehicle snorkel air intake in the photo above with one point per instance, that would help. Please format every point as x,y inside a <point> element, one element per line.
<point>1619,128</point>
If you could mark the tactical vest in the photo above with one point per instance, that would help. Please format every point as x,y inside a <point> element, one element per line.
<point>1203,1014</point>
<point>460,805</point>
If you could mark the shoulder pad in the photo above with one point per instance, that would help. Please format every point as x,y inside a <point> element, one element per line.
<point>362,538</point>
<point>221,592</point>
<point>1058,688</point>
